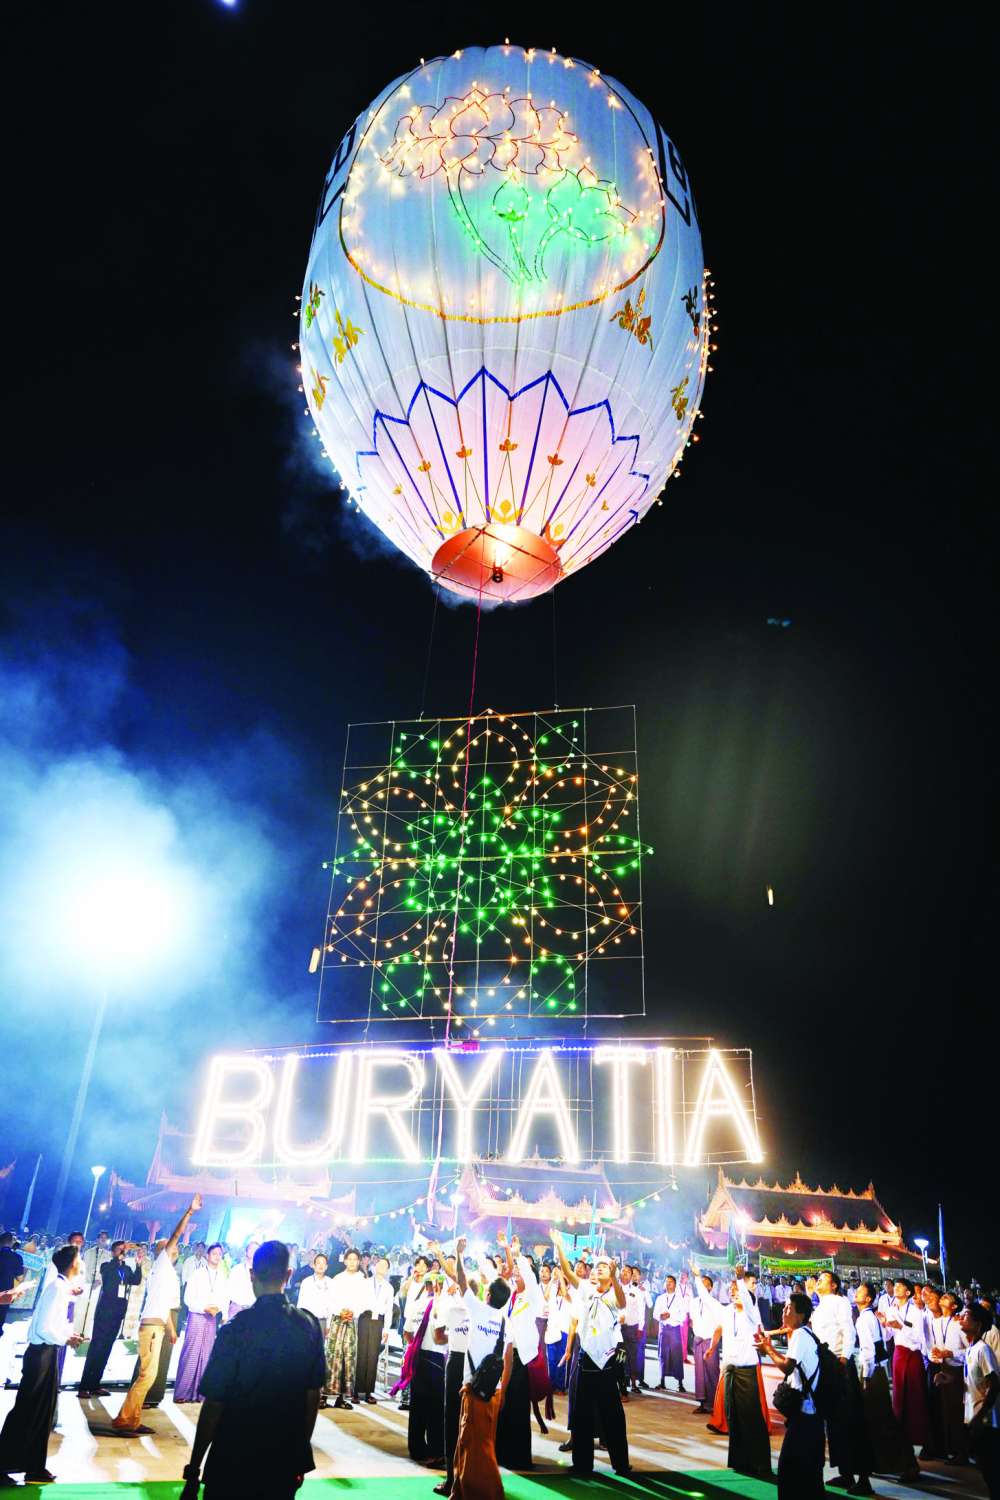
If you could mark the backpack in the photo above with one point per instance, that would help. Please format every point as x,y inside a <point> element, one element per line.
<point>486,1376</point>
<point>827,1388</point>
<point>829,1391</point>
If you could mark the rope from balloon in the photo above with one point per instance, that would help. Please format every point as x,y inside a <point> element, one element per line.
<point>435,1170</point>
<point>465,808</point>
<point>430,649</point>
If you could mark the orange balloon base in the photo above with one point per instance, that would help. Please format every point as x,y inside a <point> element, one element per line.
<point>497,562</point>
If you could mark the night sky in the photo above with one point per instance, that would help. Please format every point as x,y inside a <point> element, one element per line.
<point>190,618</point>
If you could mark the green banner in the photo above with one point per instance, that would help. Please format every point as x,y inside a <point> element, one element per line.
<point>795,1267</point>
<point>714,1262</point>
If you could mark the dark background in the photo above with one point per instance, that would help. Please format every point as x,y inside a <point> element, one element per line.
<point>163,523</point>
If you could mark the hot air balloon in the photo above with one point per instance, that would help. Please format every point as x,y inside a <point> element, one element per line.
<point>503,327</point>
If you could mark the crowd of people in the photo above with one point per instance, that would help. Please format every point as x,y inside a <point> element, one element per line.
<point>878,1377</point>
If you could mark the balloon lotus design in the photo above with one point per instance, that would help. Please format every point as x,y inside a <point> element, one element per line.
<point>541,194</point>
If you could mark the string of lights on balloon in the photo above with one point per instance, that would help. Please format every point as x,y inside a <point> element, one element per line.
<point>493,502</point>
<point>485,904</point>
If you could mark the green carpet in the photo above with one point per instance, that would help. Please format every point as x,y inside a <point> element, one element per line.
<point>665,1484</point>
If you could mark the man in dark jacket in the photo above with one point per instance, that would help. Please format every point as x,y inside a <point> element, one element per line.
<point>117,1280</point>
<point>261,1390</point>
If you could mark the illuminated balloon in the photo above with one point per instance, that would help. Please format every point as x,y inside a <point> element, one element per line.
<point>503,327</point>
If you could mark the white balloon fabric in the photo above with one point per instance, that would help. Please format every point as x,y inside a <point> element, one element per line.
<point>503,325</point>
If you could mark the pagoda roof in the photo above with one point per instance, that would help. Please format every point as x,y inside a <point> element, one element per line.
<point>774,1209</point>
<point>542,1192</point>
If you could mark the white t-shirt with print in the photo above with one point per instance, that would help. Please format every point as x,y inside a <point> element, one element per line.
<point>599,1326</point>
<point>451,1314</point>
<point>485,1326</point>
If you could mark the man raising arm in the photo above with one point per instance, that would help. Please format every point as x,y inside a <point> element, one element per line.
<point>163,1294</point>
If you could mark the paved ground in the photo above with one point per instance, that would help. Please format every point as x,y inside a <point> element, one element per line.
<point>674,1453</point>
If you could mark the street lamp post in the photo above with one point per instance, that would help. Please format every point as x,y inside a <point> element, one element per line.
<point>98,1173</point>
<point>922,1247</point>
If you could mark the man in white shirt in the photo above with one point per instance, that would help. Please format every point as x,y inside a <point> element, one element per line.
<point>634,1324</point>
<point>156,1325</point>
<point>240,1284</point>
<point>882,1309</point>
<point>82,1297</point>
<point>639,1282</point>
<point>905,1321</point>
<point>765,1301</point>
<point>881,1446</point>
<point>189,1265</point>
<point>25,1437</point>
<point>451,1332</point>
<point>800,1463</point>
<point>350,1297</point>
<point>317,1293</point>
<point>193,1262</point>
<point>946,1351</point>
<point>425,1420</point>
<point>513,1440</point>
<point>670,1312</point>
<point>578,1283</point>
<point>743,1385</point>
<point>598,1395</point>
<point>833,1325</point>
<point>706,1317</point>
<point>982,1388</point>
<point>205,1297</point>
<point>373,1331</point>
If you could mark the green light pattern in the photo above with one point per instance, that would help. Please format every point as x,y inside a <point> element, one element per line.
<point>502,907</point>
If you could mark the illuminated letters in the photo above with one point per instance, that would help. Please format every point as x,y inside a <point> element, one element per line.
<point>717,1097</point>
<point>621,1059</point>
<point>614,1099</point>
<point>323,1150</point>
<point>544,1096</point>
<point>663,1106</point>
<point>392,1106</point>
<point>466,1098</point>
<point>248,1111</point>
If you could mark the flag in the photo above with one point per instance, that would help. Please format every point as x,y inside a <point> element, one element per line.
<point>942,1253</point>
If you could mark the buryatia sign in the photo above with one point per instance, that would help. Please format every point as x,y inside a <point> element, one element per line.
<point>611,1100</point>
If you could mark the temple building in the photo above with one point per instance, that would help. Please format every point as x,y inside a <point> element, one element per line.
<point>800,1223</point>
<point>532,1196</point>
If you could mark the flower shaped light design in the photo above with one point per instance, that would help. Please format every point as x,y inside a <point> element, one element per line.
<point>465,138</point>
<point>480,131</point>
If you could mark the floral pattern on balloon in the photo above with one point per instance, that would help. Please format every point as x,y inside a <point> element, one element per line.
<point>545,192</point>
